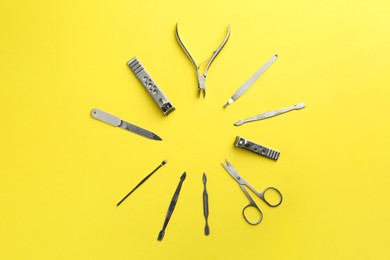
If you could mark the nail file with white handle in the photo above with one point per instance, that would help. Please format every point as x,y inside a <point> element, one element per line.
<point>270,114</point>
<point>115,121</point>
<point>251,80</point>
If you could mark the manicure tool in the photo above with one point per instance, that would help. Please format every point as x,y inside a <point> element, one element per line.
<point>149,84</point>
<point>256,148</point>
<point>202,78</point>
<point>262,195</point>
<point>270,114</point>
<point>171,207</point>
<point>205,206</point>
<point>144,179</point>
<point>115,121</point>
<point>250,81</point>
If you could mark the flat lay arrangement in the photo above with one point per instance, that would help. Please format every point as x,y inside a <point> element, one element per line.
<point>107,103</point>
<point>166,106</point>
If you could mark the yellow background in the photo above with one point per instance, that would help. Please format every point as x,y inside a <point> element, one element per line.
<point>63,172</point>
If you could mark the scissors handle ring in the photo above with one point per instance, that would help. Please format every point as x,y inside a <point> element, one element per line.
<point>252,205</point>
<point>277,192</point>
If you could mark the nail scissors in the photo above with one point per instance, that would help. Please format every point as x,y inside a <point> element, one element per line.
<point>202,78</point>
<point>233,172</point>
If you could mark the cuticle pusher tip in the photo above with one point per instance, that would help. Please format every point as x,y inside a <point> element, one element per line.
<point>299,106</point>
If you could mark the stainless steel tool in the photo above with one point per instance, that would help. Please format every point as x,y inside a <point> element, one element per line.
<point>270,114</point>
<point>115,121</point>
<point>141,182</point>
<point>202,78</point>
<point>171,207</point>
<point>205,205</point>
<point>149,84</point>
<point>256,148</point>
<point>276,201</point>
<point>241,90</point>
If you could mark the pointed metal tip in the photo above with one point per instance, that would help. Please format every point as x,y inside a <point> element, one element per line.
<point>227,163</point>
<point>183,176</point>
<point>225,106</point>
<point>164,162</point>
<point>156,137</point>
<point>204,177</point>
<point>224,165</point>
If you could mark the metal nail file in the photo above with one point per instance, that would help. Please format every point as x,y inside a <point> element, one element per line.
<point>270,114</point>
<point>115,121</point>
<point>251,80</point>
<point>256,148</point>
<point>149,84</point>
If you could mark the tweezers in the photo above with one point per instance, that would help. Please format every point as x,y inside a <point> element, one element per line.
<point>202,78</point>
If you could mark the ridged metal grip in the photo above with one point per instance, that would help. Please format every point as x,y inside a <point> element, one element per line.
<point>256,148</point>
<point>152,88</point>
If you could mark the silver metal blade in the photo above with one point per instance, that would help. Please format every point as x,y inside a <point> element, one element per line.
<point>140,131</point>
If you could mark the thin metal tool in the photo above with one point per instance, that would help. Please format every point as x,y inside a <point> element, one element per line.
<point>115,121</point>
<point>205,206</point>
<point>256,148</point>
<point>154,91</point>
<point>262,195</point>
<point>202,78</point>
<point>141,182</point>
<point>241,90</point>
<point>270,114</point>
<point>171,207</point>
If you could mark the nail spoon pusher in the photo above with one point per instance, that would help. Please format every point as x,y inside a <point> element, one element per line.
<point>270,114</point>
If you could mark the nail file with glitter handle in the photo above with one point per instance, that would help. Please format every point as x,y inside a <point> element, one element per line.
<point>256,148</point>
<point>115,121</point>
<point>149,84</point>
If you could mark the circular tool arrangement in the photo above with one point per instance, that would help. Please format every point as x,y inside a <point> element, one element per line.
<point>167,107</point>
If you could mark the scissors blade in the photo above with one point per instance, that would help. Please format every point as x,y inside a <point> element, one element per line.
<point>230,169</point>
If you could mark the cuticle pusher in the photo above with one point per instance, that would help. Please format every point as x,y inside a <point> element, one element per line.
<point>171,207</point>
<point>205,205</point>
<point>270,114</point>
